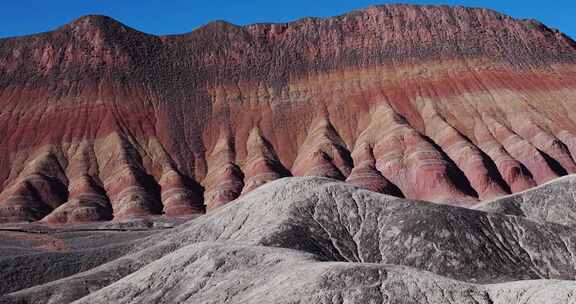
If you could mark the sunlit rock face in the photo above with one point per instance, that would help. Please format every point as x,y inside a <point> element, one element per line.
<point>446,104</point>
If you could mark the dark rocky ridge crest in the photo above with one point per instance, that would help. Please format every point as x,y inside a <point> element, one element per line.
<point>90,48</point>
<point>223,51</point>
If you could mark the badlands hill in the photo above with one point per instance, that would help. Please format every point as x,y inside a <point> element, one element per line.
<point>397,154</point>
<point>446,104</point>
<point>304,240</point>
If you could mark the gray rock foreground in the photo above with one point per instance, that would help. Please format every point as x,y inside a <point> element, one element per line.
<point>315,240</point>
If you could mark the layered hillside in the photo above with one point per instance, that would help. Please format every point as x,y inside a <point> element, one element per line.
<point>446,104</point>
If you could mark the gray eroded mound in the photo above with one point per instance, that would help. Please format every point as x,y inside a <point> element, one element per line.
<point>310,240</point>
<point>552,202</point>
<point>236,273</point>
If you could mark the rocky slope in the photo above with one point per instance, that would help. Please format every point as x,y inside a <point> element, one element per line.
<point>312,240</point>
<point>446,104</point>
<point>552,202</point>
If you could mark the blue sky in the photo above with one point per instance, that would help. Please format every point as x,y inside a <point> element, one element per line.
<point>21,17</point>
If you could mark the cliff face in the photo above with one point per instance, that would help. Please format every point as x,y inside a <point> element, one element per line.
<point>445,104</point>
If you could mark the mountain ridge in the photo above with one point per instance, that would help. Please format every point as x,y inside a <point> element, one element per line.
<point>438,103</point>
<point>114,22</point>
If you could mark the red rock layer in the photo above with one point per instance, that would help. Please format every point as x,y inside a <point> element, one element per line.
<point>555,150</point>
<point>522,150</point>
<point>513,172</point>
<point>365,175</point>
<point>36,191</point>
<point>446,104</point>
<point>262,164</point>
<point>87,202</point>
<point>225,180</point>
<point>180,196</point>
<point>410,161</point>
<point>132,191</point>
<point>465,154</point>
<point>569,139</point>
<point>323,153</point>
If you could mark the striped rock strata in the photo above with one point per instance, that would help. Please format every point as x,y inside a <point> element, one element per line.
<point>452,105</point>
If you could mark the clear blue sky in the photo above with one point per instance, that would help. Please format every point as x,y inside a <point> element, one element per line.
<point>21,17</point>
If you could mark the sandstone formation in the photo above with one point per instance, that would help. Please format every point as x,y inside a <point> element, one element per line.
<point>87,203</point>
<point>180,196</point>
<point>365,175</point>
<point>514,173</point>
<point>396,154</point>
<point>262,164</point>
<point>39,188</point>
<point>323,153</point>
<point>445,104</point>
<point>316,240</point>
<point>224,181</point>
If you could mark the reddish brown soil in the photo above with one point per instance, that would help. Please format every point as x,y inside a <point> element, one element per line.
<point>453,105</point>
